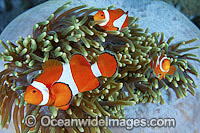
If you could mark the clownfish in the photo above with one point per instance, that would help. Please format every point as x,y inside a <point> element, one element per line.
<point>161,66</point>
<point>114,19</point>
<point>59,82</point>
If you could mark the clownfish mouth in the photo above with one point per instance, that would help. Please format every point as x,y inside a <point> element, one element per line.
<point>28,100</point>
<point>32,100</point>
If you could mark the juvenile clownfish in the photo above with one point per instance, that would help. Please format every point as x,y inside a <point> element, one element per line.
<point>114,19</point>
<point>161,66</point>
<point>60,82</point>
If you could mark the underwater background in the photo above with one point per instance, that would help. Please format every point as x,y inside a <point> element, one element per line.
<point>191,12</point>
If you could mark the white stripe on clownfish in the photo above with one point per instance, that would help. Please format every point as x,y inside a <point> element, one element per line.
<point>158,60</point>
<point>44,90</point>
<point>95,70</point>
<point>67,78</point>
<point>161,61</point>
<point>107,18</point>
<point>120,21</point>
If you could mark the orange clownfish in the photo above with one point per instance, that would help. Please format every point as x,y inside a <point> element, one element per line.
<point>114,19</point>
<point>161,66</point>
<point>60,82</point>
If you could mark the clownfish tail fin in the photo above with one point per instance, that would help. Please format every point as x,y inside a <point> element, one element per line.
<point>107,64</point>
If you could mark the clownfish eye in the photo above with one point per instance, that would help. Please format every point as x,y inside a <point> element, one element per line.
<point>102,15</point>
<point>34,91</point>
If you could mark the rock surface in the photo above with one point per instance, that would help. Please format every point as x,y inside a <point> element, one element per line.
<point>159,17</point>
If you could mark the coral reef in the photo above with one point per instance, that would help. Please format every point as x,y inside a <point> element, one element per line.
<point>73,31</point>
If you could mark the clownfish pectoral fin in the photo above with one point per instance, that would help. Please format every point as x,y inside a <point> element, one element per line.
<point>107,64</point>
<point>79,59</point>
<point>62,93</point>
<point>172,70</point>
<point>93,84</point>
<point>51,63</point>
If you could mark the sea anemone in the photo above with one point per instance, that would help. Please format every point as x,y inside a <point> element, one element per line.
<point>71,31</point>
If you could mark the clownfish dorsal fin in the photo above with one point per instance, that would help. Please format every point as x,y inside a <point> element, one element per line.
<point>118,11</point>
<point>50,64</point>
<point>79,59</point>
